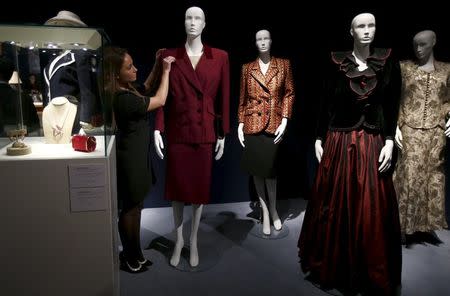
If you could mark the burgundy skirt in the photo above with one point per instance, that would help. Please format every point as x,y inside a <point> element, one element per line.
<point>350,238</point>
<point>188,173</point>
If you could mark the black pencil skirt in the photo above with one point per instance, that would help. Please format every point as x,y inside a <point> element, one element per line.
<point>260,155</point>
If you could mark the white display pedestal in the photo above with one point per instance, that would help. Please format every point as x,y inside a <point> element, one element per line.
<point>58,238</point>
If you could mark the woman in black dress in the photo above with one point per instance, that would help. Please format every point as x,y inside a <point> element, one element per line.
<point>134,176</point>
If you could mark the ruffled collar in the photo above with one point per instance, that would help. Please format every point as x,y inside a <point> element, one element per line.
<point>362,83</point>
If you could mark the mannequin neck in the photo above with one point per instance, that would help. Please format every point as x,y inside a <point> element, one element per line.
<point>58,101</point>
<point>194,46</point>
<point>361,51</point>
<point>265,57</point>
<point>427,63</point>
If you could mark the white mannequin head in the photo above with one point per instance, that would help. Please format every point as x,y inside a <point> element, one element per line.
<point>194,21</point>
<point>423,43</point>
<point>363,28</point>
<point>263,41</point>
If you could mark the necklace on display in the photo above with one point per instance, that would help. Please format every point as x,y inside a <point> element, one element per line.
<point>58,127</point>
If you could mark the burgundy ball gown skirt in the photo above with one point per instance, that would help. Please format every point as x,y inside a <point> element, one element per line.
<point>350,238</point>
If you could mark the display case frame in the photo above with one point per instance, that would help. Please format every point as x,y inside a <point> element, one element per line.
<point>32,49</point>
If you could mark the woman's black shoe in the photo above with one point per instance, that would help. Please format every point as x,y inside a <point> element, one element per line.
<point>145,262</point>
<point>131,266</point>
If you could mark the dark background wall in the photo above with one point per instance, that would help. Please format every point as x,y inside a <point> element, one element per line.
<point>304,35</point>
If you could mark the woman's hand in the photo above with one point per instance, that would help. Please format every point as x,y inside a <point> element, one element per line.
<point>158,54</point>
<point>167,61</point>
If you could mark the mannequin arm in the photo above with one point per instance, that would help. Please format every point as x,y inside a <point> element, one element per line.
<point>159,144</point>
<point>386,156</point>
<point>318,149</point>
<point>241,134</point>
<point>398,138</point>
<point>220,145</point>
<point>280,131</point>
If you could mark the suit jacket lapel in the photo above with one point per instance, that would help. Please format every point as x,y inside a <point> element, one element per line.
<point>186,68</point>
<point>256,73</point>
<point>273,70</point>
<point>60,61</point>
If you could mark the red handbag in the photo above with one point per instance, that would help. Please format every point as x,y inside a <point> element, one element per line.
<point>84,143</point>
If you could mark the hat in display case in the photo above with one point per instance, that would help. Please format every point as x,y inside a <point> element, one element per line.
<point>65,18</point>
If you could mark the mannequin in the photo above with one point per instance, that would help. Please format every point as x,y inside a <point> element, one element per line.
<point>268,81</point>
<point>196,116</point>
<point>350,237</point>
<point>421,136</point>
<point>58,118</point>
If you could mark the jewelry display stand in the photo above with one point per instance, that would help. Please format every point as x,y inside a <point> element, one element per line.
<point>57,120</point>
<point>18,147</point>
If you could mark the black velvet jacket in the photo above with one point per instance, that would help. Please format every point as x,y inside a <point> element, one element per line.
<point>354,99</point>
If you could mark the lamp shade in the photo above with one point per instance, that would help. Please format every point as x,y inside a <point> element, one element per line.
<point>15,79</point>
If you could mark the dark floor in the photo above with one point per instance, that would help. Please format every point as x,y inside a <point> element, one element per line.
<point>235,261</point>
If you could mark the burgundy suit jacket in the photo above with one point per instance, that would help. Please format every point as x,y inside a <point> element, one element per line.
<point>197,107</point>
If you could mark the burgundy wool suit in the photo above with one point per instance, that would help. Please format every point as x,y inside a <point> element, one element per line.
<point>195,115</point>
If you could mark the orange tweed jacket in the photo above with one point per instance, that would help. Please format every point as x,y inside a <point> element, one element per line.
<point>265,99</point>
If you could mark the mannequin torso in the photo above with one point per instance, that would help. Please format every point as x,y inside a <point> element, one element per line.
<point>57,121</point>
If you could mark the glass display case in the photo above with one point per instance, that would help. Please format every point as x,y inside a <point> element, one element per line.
<point>53,90</point>
<point>61,199</point>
